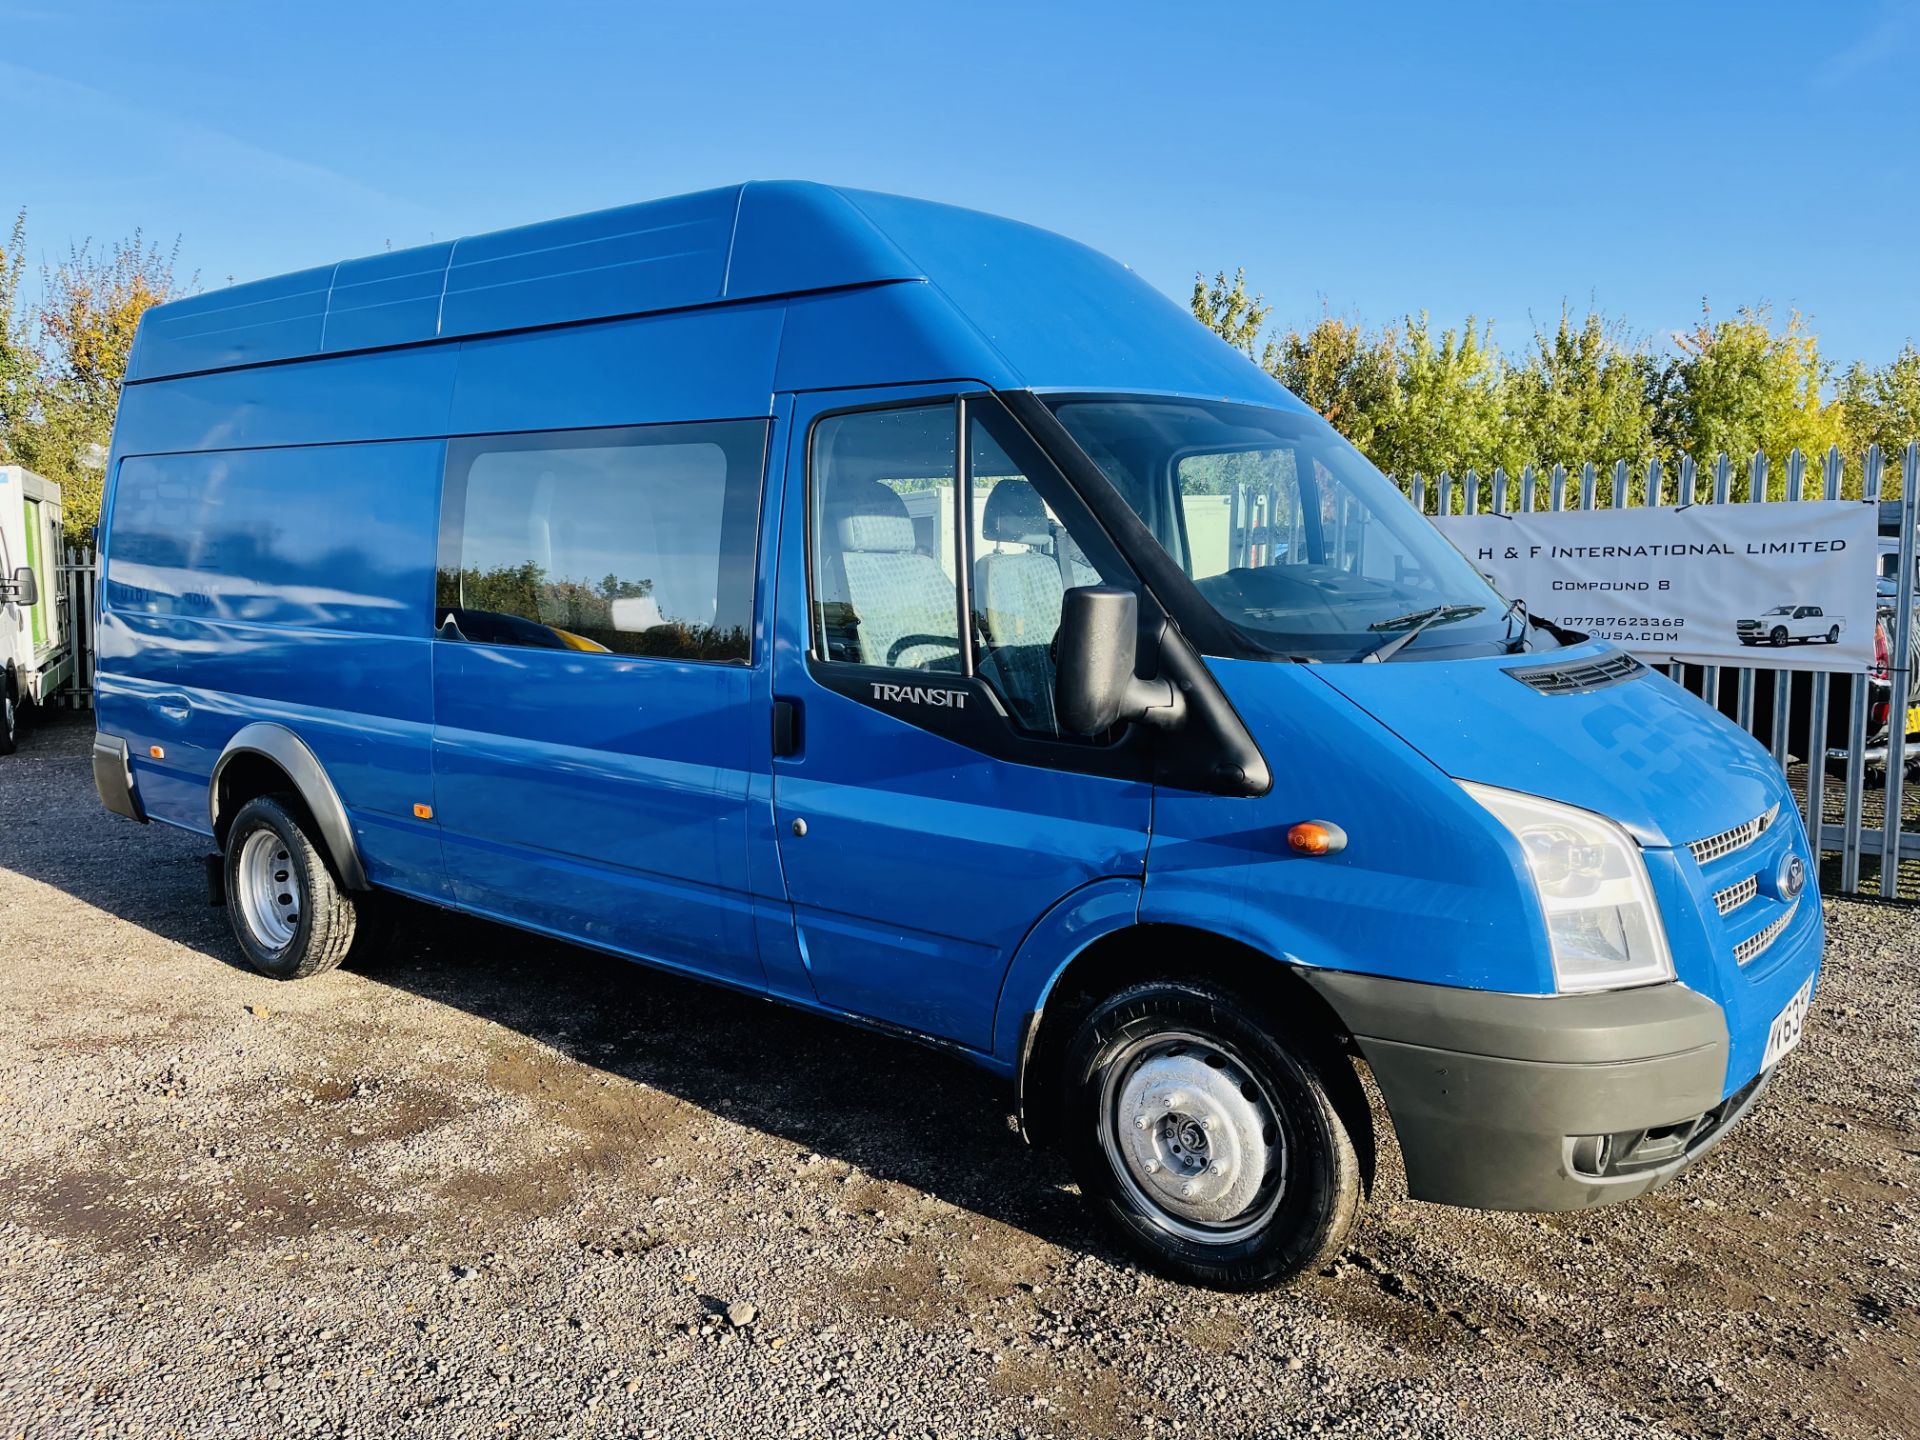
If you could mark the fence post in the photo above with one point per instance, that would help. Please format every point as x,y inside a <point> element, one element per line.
<point>1783,680</point>
<point>1470,492</point>
<point>1446,492</point>
<point>1818,711</point>
<point>1589,481</point>
<point>1893,814</point>
<point>1557,496</point>
<point>1526,490</point>
<point>1857,718</point>
<point>1756,495</point>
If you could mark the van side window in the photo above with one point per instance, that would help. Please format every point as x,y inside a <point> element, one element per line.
<point>626,542</point>
<point>1024,560</point>
<point>881,514</point>
<point>893,536</point>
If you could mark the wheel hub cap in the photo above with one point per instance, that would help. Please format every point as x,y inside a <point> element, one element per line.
<point>1194,1136</point>
<point>269,893</point>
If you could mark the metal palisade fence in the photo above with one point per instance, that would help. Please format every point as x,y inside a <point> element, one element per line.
<point>1856,800</point>
<point>76,579</point>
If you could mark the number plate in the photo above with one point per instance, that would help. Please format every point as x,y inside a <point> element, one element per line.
<point>1788,1026</point>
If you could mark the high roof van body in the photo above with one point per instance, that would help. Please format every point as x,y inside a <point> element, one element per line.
<point>913,616</point>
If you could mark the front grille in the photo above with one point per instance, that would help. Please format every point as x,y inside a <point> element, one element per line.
<point>1738,838</point>
<point>1572,679</point>
<point>1756,945</point>
<point>1734,896</point>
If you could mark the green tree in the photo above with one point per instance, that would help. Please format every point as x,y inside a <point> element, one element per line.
<point>1581,393</point>
<point>1226,308</point>
<point>61,365</point>
<point>1451,411</point>
<point>1882,407</point>
<point>1740,386</point>
<point>19,366</point>
<point>1348,374</point>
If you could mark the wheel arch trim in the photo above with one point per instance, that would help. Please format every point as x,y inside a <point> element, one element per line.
<point>287,750</point>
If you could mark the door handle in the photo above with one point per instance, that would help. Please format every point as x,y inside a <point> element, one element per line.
<point>786,727</point>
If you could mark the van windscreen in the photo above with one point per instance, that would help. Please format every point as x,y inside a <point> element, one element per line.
<point>1287,531</point>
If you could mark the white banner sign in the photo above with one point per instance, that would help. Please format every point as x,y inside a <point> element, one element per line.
<point>1783,586</point>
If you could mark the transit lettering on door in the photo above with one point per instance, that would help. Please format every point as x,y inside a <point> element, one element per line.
<point>920,695</point>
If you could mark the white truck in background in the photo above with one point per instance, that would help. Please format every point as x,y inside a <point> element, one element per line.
<point>35,657</point>
<point>1785,623</point>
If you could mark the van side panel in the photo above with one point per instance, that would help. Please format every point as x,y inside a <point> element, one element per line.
<point>398,395</point>
<point>702,365</point>
<point>291,585</point>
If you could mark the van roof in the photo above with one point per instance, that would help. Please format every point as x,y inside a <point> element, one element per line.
<point>1038,308</point>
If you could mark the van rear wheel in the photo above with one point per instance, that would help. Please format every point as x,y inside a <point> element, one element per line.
<point>289,914</point>
<point>1207,1136</point>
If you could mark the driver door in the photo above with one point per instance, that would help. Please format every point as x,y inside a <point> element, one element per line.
<point>927,808</point>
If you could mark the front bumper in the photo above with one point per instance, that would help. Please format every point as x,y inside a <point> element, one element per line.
<point>1500,1101</point>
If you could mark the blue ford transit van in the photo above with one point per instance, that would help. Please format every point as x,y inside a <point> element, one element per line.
<point>913,616</point>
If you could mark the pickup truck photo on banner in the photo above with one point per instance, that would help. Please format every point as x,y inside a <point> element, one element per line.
<point>1780,586</point>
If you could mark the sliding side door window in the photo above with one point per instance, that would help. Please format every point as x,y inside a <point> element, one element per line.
<point>634,542</point>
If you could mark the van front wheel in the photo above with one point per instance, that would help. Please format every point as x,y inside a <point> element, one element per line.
<point>1207,1136</point>
<point>289,914</point>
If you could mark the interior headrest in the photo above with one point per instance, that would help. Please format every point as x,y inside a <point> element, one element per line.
<point>869,517</point>
<point>1014,512</point>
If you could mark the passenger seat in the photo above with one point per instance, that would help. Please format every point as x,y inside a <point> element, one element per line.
<point>1018,595</point>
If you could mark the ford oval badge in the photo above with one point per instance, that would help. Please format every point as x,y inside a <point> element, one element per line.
<point>1791,878</point>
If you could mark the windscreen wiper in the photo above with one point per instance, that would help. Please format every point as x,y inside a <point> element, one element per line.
<point>1409,625</point>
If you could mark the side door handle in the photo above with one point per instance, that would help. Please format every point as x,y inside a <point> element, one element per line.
<point>786,727</point>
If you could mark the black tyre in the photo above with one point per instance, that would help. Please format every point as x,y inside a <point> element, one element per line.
<point>289,914</point>
<point>1778,635</point>
<point>1833,635</point>
<point>9,720</point>
<point>1207,1137</point>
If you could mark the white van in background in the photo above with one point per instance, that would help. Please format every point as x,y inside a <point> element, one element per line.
<point>35,659</point>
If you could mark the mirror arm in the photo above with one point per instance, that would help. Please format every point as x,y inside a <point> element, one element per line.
<point>1158,703</point>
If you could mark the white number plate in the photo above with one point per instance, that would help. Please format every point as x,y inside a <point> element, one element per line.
<point>1788,1026</point>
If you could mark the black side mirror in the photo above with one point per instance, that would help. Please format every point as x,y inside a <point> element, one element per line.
<point>25,587</point>
<point>1096,688</point>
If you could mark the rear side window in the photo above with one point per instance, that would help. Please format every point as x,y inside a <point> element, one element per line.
<point>624,542</point>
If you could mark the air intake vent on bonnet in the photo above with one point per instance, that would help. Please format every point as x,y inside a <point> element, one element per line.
<point>1571,679</point>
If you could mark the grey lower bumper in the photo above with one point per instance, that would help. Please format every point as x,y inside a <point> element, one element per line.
<point>113,778</point>
<point>1493,1095</point>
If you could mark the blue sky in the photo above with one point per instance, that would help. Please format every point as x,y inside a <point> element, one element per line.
<point>1486,159</point>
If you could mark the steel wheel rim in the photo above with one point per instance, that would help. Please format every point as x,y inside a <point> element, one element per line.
<point>1193,1137</point>
<point>269,892</point>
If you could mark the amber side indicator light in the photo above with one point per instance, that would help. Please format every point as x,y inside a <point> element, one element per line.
<point>1317,837</point>
<point>156,752</point>
<point>423,812</point>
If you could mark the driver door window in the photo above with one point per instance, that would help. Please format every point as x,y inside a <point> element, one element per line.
<point>900,552</point>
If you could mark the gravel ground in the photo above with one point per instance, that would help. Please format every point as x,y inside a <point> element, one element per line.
<point>496,1186</point>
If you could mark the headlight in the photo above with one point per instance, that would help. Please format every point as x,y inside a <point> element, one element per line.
<point>1603,927</point>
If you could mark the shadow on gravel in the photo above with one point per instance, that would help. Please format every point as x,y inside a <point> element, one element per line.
<point>894,1109</point>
